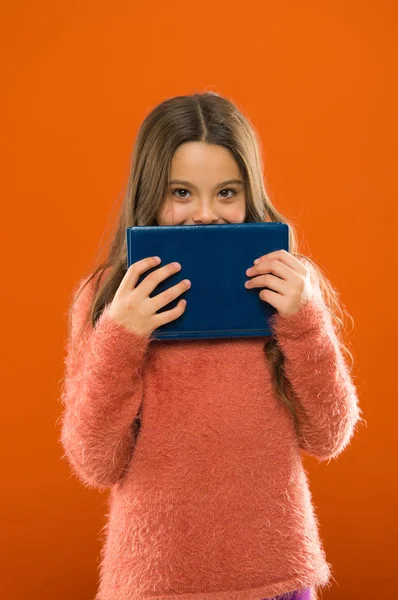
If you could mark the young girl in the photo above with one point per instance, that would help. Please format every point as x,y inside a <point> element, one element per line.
<point>199,441</point>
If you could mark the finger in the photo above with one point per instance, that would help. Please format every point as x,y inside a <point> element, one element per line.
<point>285,258</point>
<point>268,281</point>
<point>161,300</point>
<point>270,256</point>
<point>170,315</point>
<point>271,298</point>
<point>148,285</point>
<point>134,272</point>
<point>275,267</point>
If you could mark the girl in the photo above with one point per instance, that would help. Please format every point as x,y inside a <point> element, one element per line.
<point>199,440</point>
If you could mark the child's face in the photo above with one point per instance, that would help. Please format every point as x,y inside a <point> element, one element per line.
<point>202,200</point>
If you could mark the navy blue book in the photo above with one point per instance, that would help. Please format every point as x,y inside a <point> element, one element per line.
<point>215,259</point>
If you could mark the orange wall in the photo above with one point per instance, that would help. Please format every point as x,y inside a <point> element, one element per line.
<point>317,80</point>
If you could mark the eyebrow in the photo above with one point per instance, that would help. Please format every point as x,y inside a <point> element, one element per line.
<point>194,186</point>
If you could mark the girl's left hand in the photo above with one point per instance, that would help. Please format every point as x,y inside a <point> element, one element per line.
<point>284,273</point>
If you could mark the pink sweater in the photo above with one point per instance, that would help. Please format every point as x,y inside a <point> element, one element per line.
<point>212,501</point>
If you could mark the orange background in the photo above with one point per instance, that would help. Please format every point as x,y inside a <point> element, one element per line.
<point>317,79</point>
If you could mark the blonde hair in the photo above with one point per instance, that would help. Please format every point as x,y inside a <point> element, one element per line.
<point>204,117</point>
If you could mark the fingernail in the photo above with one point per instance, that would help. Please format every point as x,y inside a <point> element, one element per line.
<point>256,261</point>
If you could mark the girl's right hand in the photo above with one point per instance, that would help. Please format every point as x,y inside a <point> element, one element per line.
<point>135,310</point>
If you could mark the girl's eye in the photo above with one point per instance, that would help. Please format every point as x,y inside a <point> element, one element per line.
<point>184,190</point>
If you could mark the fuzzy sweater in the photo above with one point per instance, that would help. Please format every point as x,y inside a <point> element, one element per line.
<point>211,500</point>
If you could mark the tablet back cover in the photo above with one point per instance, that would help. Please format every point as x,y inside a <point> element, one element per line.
<point>215,259</point>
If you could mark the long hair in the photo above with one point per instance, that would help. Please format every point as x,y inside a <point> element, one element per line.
<point>204,117</point>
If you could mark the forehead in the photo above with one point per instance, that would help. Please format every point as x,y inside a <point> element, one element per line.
<point>198,158</point>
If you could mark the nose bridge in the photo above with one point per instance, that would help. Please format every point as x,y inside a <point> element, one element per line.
<point>206,207</point>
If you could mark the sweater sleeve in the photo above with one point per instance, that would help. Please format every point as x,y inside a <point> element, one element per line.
<point>326,398</point>
<point>102,393</point>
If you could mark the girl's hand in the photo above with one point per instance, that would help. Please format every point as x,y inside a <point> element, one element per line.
<point>132,305</point>
<point>284,273</point>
